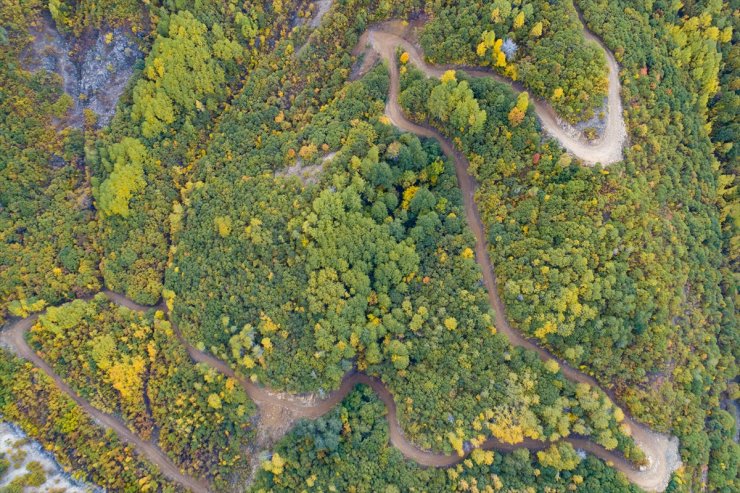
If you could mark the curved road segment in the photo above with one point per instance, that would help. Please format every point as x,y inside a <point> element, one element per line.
<point>607,149</point>
<point>661,450</point>
<point>14,337</point>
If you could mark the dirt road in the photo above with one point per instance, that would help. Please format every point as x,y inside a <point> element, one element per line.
<point>13,337</point>
<point>278,408</point>
<point>661,450</point>
<point>606,150</point>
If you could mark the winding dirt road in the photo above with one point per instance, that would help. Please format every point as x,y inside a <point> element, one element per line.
<point>661,450</point>
<point>607,149</point>
<point>13,337</point>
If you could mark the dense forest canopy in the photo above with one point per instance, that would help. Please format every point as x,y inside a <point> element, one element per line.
<point>539,43</point>
<point>354,256</point>
<point>254,188</point>
<point>602,264</point>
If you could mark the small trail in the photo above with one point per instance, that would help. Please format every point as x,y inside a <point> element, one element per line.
<point>13,337</point>
<point>323,7</point>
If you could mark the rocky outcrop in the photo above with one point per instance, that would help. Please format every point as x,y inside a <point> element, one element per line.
<point>94,68</point>
<point>23,452</point>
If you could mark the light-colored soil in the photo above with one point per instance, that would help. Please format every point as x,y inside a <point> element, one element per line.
<point>306,173</point>
<point>23,451</point>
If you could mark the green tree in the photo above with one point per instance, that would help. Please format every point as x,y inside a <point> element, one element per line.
<point>127,159</point>
<point>453,101</point>
<point>561,456</point>
<point>182,75</point>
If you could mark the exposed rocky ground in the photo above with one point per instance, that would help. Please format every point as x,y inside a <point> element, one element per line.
<point>591,129</point>
<point>94,68</point>
<point>21,452</point>
<point>308,174</point>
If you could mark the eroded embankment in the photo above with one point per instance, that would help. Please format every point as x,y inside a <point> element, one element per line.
<point>94,68</point>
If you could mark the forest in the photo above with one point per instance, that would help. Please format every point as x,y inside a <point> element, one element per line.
<point>131,364</point>
<point>600,264</point>
<point>286,256</point>
<point>252,181</point>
